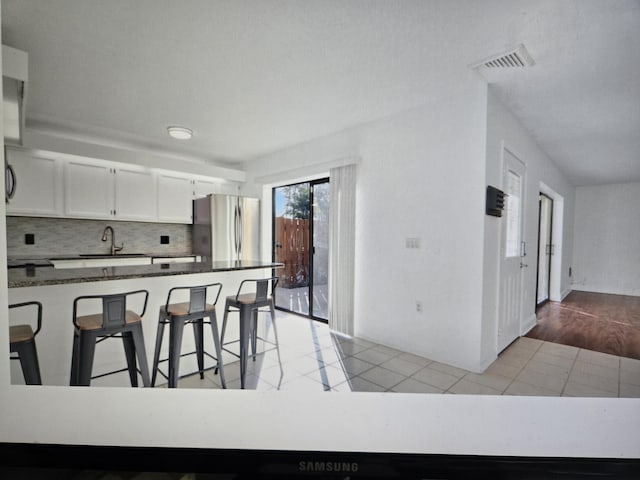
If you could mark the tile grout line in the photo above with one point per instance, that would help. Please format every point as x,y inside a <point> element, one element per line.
<point>619,375</point>
<point>522,368</point>
<point>573,364</point>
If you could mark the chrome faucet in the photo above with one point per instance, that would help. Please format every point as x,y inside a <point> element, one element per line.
<point>114,249</point>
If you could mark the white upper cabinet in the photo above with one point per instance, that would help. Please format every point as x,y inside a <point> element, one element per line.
<point>135,194</point>
<point>89,190</point>
<point>206,186</point>
<point>38,185</point>
<point>175,198</point>
<point>109,191</point>
<point>56,185</point>
<point>203,187</point>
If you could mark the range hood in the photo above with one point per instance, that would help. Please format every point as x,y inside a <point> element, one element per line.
<point>15,67</point>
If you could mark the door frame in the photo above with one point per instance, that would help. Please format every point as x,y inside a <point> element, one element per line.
<point>549,268</point>
<point>311,251</point>
<point>556,294</point>
<point>502,247</point>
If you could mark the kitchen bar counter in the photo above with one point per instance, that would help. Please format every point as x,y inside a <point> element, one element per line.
<point>56,289</point>
<point>46,275</point>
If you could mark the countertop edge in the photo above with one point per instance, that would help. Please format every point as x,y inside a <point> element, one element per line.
<point>157,272</point>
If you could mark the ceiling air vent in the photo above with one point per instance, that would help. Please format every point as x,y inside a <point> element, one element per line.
<point>515,58</point>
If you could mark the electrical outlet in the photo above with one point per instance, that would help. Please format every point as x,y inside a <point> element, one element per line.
<point>412,242</point>
<point>418,306</point>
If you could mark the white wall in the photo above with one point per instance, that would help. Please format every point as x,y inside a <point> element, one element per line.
<point>606,255</point>
<point>503,129</point>
<point>420,174</point>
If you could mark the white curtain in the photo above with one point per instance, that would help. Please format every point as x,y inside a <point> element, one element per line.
<point>342,231</point>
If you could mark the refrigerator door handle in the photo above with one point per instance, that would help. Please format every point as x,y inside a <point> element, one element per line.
<point>241,230</point>
<point>235,229</point>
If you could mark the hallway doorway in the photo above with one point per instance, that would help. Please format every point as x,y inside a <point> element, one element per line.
<point>545,249</point>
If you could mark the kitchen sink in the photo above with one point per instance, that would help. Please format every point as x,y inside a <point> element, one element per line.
<point>102,260</point>
<point>117,255</point>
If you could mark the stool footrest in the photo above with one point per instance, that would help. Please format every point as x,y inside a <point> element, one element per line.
<point>113,372</point>
<point>188,374</point>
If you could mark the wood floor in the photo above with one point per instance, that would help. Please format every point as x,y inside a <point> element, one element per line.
<point>594,321</point>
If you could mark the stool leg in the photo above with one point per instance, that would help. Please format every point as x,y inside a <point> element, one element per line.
<point>214,330</point>
<point>138,340</point>
<point>156,354</point>
<point>176,328</point>
<point>130,353</point>
<point>197,333</point>
<point>254,333</point>
<point>245,326</point>
<point>224,322</point>
<point>29,362</point>
<point>275,331</point>
<point>86,351</point>
<point>224,327</point>
<point>73,379</point>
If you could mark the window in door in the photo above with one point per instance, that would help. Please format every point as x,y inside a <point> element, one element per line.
<point>514,229</point>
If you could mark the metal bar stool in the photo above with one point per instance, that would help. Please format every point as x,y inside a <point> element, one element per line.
<point>22,342</point>
<point>177,315</point>
<point>249,305</point>
<point>115,321</point>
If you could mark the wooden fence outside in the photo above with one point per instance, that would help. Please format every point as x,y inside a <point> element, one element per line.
<point>292,249</point>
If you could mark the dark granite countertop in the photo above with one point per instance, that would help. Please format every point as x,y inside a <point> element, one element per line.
<point>47,275</point>
<point>43,260</point>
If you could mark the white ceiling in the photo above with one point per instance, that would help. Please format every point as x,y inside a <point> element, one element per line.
<point>254,76</point>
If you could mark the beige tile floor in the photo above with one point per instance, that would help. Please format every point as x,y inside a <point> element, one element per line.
<point>314,359</point>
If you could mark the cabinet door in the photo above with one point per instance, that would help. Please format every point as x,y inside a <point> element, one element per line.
<point>89,190</point>
<point>175,198</point>
<point>204,187</point>
<point>135,195</point>
<point>38,185</point>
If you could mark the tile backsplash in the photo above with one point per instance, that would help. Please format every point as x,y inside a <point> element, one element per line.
<point>65,236</point>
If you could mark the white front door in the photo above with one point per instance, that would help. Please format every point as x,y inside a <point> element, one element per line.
<point>511,252</point>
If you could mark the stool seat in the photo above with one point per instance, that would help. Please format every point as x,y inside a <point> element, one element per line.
<point>94,322</point>
<point>247,299</point>
<point>20,333</point>
<point>183,308</point>
<point>176,316</point>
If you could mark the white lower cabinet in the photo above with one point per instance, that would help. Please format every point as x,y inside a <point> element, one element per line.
<point>38,185</point>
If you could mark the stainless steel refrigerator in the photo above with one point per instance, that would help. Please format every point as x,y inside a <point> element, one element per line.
<point>226,227</point>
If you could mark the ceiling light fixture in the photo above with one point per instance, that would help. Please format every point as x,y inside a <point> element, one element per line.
<point>180,133</point>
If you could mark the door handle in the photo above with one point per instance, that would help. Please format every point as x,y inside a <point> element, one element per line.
<point>235,230</point>
<point>241,230</point>
<point>523,265</point>
<point>10,186</point>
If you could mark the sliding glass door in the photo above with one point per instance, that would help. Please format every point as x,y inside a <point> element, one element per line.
<point>301,243</point>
